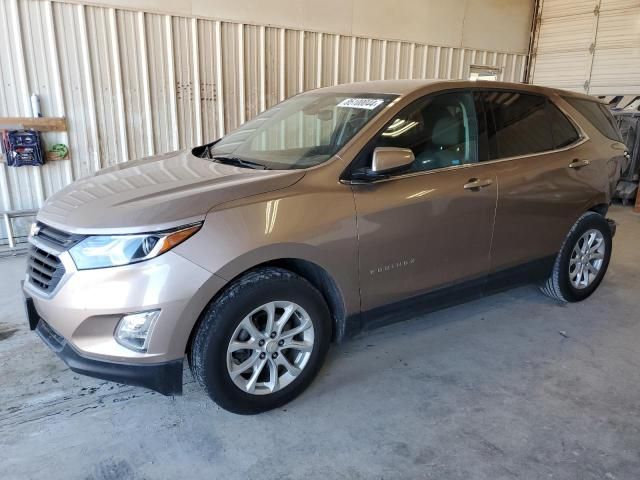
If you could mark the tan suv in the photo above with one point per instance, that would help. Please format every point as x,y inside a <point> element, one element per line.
<point>336,210</point>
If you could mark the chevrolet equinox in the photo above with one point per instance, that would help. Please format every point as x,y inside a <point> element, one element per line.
<point>332,212</point>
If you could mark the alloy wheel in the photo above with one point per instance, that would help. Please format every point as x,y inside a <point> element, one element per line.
<point>270,347</point>
<point>586,259</point>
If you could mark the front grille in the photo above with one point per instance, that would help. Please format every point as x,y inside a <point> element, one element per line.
<point>44,269</point>
<point>59,239</point>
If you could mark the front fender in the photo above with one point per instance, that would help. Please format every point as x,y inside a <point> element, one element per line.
<point>315,225</point>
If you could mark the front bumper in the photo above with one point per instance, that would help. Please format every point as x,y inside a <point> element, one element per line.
<point>79,316</point>
<point>164,377</point>
<point>87,305</point>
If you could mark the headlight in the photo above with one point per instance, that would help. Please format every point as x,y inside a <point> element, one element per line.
<point>101,251</point>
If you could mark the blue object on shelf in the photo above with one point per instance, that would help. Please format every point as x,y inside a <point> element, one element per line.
<point>23,147</point>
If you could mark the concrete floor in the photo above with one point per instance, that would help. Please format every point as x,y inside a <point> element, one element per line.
<point>510,386</point>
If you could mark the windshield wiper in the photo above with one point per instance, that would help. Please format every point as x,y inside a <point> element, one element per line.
<point>239,162</point>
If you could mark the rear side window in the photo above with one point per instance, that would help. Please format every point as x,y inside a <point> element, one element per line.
<point>517,124</point>
<point>562,130</point>
<point>598,115</point>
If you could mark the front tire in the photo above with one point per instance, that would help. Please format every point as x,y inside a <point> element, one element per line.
<point>261,343</point>
<point>582,261</point>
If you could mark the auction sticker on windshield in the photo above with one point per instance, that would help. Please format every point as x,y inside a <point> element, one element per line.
<point>366,103</point>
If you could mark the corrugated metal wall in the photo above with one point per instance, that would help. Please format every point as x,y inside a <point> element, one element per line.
<point>590,46</point>
<point>133,84</point>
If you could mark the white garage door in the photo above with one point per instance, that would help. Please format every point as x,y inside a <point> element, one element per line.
<point>590,46</point>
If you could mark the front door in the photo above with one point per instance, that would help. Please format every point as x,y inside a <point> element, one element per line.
<point>431,225</point>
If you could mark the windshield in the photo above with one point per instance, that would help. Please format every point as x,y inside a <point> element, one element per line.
<point>301,132</point>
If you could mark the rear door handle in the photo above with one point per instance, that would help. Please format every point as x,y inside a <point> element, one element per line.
<point>475,185</point>
<point>579,163</point>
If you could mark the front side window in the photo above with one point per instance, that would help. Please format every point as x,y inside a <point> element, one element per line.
<point>517,124</point>
<point>440,130</point>
<point>301,132</point>
<point>598,115</point>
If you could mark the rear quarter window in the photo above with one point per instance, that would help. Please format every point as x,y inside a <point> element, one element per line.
<point>598,115</point>
<point>562,130</point>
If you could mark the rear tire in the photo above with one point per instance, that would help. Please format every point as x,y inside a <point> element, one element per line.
<point>246,352</point>
<point>582,261</point>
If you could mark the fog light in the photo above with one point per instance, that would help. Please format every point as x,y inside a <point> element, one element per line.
<point>134,330</point>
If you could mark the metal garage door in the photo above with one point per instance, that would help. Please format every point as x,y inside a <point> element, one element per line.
<point>590,46</point>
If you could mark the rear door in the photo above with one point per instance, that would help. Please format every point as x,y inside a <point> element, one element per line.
<point>545,174</point>
<point>421,229</point>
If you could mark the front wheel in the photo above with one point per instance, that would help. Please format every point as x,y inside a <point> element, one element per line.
<point>261,343</point>
<point>582,261</point>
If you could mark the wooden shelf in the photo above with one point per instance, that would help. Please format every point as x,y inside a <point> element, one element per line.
<point>41,124</point>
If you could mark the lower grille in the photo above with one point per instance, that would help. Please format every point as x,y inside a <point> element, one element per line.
<point>44,269</point>
<point>52,338</point>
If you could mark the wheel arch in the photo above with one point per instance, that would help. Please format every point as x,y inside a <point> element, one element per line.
<point>601,208</point>
<point>326,285</point>
<point>318,276</point>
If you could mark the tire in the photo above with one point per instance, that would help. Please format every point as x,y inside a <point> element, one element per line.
<point>264,293</point>
<point>561,284</point>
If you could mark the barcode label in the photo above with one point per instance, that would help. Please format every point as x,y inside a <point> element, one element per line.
<point>366,103</point>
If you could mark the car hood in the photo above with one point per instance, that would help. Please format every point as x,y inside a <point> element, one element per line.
<point>155,193</point>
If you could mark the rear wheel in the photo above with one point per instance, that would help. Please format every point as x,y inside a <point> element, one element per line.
<point>261,343</point>
<point>582,261</point>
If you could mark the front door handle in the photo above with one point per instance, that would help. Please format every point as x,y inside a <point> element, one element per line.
<point>475,185</point>
<point>579,163</point>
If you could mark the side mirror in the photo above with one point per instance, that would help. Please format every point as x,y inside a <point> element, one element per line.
<point>389,159</point>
